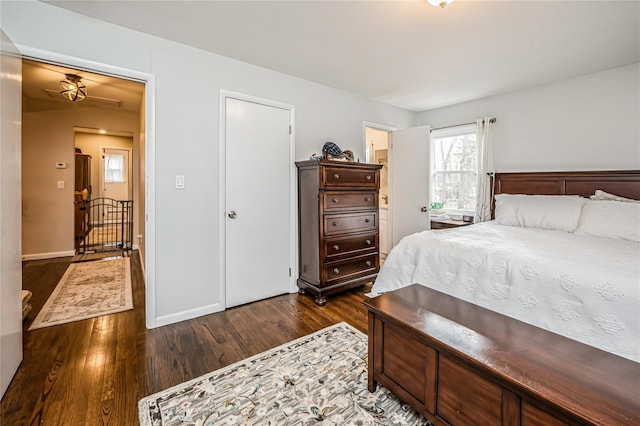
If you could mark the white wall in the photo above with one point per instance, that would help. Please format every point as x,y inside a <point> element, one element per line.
<point>188,82</point>
<point>591,122</point>
<point>48,138</point>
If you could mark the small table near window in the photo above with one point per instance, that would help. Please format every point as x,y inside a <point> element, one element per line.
<point>447,223</point>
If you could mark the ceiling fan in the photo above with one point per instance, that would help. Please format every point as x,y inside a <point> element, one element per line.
<point>73,89</point>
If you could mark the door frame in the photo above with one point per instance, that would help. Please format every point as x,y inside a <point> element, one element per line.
<point>149,80</point>
<point>388,129</point>
<point>377,126</point>
<point>11,325</point>
<point>222,190</point>
<point>129,169</point>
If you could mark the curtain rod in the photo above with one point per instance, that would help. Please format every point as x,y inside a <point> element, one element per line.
<point>491,120</point>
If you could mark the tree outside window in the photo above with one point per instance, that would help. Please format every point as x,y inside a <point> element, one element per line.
<point>454,165</point>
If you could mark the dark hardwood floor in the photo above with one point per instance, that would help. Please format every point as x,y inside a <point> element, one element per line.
<point>93,372</point>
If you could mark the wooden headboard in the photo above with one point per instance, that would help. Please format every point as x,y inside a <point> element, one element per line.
<point>625,183</point>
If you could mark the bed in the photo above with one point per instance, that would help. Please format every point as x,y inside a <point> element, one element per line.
<point>581,283</point>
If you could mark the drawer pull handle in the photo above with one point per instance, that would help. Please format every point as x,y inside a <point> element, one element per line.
<point>368,263</point>
<point>367,220</point>
<point>368,242</point>
<point>335,223</point>
<point>336,176</point>
<point>367,199</point>
<point>334,200</point>
<point>336,247</point>
<point>336,271</point>
<point>368,177</point>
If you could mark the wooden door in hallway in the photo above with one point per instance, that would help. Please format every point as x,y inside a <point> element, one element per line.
<point>258,218</point>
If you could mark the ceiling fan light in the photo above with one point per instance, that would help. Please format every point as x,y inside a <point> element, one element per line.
<point>441,3</point>
<point>73,88</point>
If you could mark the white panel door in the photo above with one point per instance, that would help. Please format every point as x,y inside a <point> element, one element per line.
<point>257,201</point>
<point>409,170</point>
<point>10,212</point>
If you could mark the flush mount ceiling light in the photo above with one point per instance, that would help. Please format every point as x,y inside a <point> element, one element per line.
<point>72,88</point>
<point>441,3</point>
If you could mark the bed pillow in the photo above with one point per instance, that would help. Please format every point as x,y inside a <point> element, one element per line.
<point>614,219</point>
<point>555,212</point>
<point>601,195</point>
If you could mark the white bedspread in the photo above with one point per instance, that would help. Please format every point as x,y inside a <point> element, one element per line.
<point>582,287</point>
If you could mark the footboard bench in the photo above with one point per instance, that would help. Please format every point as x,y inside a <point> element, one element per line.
<point>459,364</point>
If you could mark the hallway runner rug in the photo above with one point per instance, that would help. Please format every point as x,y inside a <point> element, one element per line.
<point>317,379</point>
<point>88,290</point>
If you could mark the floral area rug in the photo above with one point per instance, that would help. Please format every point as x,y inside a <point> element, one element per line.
<point>87,290</point>
<point>319,379</point>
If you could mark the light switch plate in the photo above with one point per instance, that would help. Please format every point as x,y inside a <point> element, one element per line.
<point>180,182</point>
<point>60,184</point>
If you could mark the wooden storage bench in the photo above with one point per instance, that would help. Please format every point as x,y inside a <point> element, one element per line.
<point>457,363</point>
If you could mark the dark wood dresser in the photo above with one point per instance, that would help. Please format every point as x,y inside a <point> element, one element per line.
<point>337,226</point>
<point>82,172</point>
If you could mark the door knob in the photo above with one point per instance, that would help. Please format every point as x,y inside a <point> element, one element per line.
<point>232,214</point>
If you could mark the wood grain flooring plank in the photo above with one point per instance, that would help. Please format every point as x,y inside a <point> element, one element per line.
<point>125,380</point>
<point>101,368</point>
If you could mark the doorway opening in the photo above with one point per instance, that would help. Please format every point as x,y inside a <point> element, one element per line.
<point>377,152</point>
<point>103,192</point>
<point>64,141</point>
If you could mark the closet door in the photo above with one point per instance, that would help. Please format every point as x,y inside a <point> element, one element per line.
<point>258,197</point>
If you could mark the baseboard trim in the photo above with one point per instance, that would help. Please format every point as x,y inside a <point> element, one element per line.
<point>52,255</point>
<point>188,314</point>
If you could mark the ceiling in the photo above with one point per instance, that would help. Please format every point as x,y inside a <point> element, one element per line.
<point>404,53</point>
<point>40,84</point>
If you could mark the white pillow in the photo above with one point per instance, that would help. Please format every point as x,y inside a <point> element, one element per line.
<point>614,219</point>
<point>601,195</point>
<point>556,212</point>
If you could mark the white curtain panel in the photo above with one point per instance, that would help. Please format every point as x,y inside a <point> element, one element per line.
<point>484,137</point>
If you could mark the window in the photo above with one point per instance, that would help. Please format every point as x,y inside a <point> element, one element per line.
<point>114,168</point>
<point>454,166</point>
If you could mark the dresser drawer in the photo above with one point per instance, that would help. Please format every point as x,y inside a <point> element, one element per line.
<point>350,269</point>
<point>349,200</point>
<point>351,246</point>
<point>341,177</point>
<point>336,224</point>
